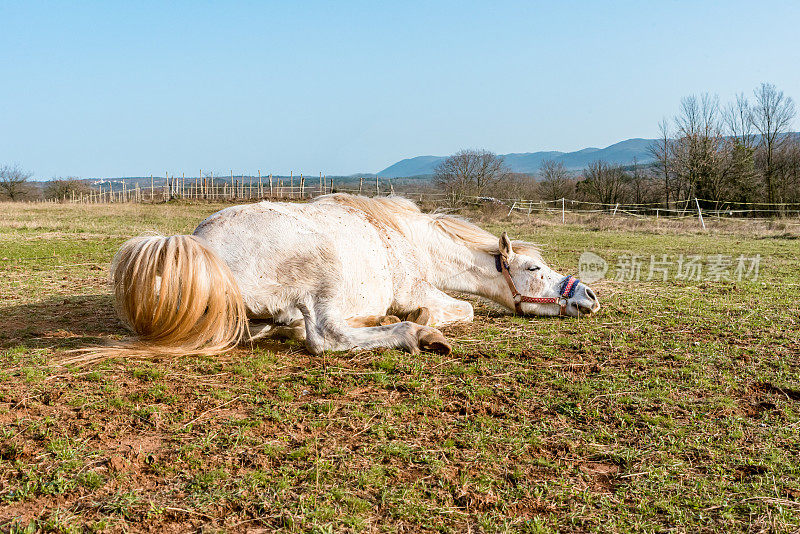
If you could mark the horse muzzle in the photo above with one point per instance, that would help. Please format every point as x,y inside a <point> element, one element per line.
<point>583,301</point>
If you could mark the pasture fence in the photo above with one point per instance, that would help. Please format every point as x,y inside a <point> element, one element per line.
<point>213,188</point>
<point>690,207</point>
<point>301,187</point>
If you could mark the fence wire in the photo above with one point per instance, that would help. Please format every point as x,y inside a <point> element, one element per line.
<point>302,188</point>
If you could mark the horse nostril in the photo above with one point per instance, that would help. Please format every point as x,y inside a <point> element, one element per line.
<point>591,294</point>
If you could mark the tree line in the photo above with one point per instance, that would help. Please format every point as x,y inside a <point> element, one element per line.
<point>743,152</point>
<point>15,185</point>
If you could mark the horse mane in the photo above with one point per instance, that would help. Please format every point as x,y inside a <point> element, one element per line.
<point>397,212</point>
<point>392,211</point>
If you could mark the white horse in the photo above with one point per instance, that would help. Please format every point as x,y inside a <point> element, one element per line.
<point>332,272</point>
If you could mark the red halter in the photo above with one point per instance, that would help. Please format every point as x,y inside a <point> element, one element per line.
<point>567,290</point>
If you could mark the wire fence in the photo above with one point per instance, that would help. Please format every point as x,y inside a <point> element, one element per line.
<point>269,187</point>
<point>690,207</point>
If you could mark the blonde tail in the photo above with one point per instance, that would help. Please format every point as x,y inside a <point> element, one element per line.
<point>177,295</point>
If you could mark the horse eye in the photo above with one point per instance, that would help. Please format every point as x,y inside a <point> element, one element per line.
<point>534,268</point>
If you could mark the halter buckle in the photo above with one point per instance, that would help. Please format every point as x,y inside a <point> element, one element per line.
<point>562,305</point>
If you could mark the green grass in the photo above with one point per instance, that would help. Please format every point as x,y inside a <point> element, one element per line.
<point>677,408</point>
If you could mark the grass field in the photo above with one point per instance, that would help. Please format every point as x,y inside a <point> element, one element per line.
<point>676,408</point>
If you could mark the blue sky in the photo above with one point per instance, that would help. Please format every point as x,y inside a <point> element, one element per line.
<point>133,88</point>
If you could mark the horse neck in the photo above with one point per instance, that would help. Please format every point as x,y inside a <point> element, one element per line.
<point>457,267</point>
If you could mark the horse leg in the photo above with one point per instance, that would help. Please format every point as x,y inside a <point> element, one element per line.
<point>437,308</point>
<point>294,331</point>
<point>372,320</point>
<point>327,330</point>
<point>420,316</point>
<point>260,330</point>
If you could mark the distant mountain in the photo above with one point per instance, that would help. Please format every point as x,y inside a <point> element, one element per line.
<point>417,166</point>
<point>622,153</point>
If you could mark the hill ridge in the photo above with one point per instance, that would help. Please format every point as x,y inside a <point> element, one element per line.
<point>622,152</point>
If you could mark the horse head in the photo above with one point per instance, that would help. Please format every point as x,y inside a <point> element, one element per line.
<point>537,289</point>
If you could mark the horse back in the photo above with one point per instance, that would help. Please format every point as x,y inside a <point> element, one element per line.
<point>279,252</point>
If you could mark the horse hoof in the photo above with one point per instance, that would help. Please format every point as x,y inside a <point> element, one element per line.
<point>420,316</point>
<point>434,341</point>
<point>388,319</point>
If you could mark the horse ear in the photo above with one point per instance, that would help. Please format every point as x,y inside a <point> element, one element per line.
<point>505,246</point>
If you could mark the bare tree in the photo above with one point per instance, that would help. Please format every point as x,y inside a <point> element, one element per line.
<point>661,151</point>
<point>787,169</point>
<point>771,115</point>
<point>743,152</point>
<point>555,181</point>
<point>699,155</point>
<point>13,182</point>
<point>741,140</point>
<point>642,186</point>
<point>62,189</point>
<point>603,182</point>
<point>471,173</point>
<point>737,119</point>
<point>517,185</point>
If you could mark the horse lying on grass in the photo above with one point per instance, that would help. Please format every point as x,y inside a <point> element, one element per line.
<point>332,272</point>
